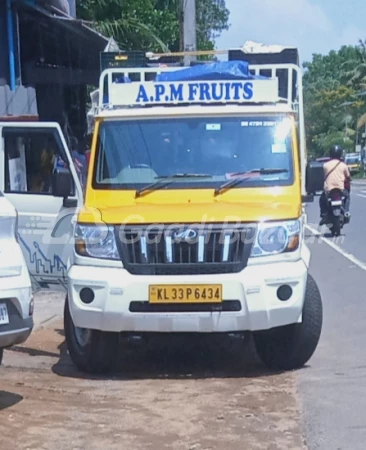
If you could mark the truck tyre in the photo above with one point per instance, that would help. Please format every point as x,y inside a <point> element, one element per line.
<point>1,355</point>
<point>92,351</point>
<point>291,346</point>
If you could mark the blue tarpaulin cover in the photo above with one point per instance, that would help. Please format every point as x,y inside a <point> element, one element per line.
<point>224,70</point>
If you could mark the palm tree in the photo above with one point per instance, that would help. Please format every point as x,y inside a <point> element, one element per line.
<point>355,69</point>
<point>361,123</point>
<point>126,21</point>
<point>153,25</point>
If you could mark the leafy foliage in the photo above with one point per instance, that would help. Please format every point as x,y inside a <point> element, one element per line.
<point>332,106</point>
<point>134,23</point>
<point>212,18</point>
<point>356,73</point>
<point>153,25</point>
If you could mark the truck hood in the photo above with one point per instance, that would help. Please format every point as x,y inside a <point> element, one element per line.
<point>192,206</point>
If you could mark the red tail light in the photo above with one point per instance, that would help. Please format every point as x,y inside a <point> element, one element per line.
<point>336,196</point>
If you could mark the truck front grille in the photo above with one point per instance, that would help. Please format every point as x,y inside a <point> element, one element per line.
<point>184,250</point>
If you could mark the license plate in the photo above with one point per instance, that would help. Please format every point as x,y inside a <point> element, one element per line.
<point>4,317</point>
<point>336,202</point>
<point>185,293</point>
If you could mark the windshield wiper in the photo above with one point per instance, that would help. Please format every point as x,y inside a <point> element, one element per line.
<point>235,181</point>
<point>164,180</point>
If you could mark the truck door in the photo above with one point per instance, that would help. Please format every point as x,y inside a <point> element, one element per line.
<point>28,155</point>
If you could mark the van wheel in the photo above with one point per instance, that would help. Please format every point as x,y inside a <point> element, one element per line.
<point>91,351</point>
<point>291,346</point>
<point>1,355</point>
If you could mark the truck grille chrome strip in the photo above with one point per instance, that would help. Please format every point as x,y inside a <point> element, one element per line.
<point>180,250</point>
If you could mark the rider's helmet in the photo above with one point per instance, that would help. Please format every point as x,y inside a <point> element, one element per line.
<point>336,152</point>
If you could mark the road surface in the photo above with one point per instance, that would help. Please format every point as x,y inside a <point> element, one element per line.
<point>196,396</point>
<point>333,388</point>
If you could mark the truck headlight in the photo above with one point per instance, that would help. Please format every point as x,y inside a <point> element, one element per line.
<point>96,241</point>
<point>277,237</point>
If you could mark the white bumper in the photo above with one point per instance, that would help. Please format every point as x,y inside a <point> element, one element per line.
<point>16,287</point>
<point>255,288</point>
<point>16,294</point>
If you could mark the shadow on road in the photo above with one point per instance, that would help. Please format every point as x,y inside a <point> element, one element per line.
<point>34,352</point>
<point>8,399</point>
<point>172,357</point>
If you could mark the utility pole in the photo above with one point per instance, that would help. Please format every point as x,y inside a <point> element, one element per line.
<point>189,29</point>
<point>72,4</point>
<point>181,24</point>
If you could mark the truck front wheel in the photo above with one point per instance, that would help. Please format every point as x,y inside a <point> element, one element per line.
<point>291,346</point>
<point>91,351</point>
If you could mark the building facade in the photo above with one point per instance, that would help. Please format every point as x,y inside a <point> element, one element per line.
<point>47,59</point>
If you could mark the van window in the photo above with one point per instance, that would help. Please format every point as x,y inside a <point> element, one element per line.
<point>30,157</point>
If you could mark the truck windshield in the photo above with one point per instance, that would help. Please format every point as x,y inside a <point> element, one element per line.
<point>134,153</point>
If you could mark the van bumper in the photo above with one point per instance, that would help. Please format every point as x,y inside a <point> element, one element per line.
<point>250,300</point>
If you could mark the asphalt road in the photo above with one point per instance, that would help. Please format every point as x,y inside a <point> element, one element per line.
<point>353,233</point>
<point>333,387</point>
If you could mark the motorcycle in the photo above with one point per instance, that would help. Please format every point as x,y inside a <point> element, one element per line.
<point>336,218</point>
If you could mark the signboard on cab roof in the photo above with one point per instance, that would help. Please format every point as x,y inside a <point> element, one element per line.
<point>193,92</point>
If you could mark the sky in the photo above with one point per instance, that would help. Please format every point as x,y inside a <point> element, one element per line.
<point>313,26</point>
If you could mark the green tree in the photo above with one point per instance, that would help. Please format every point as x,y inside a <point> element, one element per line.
<point>212,18</point>
<point>331,105</point>
<point>328,71</point>
<point>134,24</point>
<point>326,140</point>
<point>153,24</point>
<point>354,70</point>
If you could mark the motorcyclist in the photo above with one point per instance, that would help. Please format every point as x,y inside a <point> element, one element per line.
<point>336,176</point>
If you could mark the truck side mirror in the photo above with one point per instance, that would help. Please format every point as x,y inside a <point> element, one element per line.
<point>61,183</point>
<point>309,198</point>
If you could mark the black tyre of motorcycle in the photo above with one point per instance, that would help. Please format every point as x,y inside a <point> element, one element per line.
<point>336,225</point>
<point>96,353</point>
<point>1,355</point>
<point>290,347</point>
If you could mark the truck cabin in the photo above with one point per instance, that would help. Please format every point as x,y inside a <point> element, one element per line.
<point>185,134</point>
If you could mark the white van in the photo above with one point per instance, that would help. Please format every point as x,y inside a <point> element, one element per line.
<point>16,300</point>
